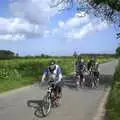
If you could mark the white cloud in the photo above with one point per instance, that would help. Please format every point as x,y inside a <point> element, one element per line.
<point>74,22</point>
<point>29,19</point>
<point>85,30</point>
<point>61,24</point>
<point>35,11</point>
<point>16,28</point>
<point>13,37</point>
<point>46,33</point>
<point>78,27</point>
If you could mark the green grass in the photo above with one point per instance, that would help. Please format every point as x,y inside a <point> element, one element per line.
<point>113,105</point>
<point>21,72</point>
<point>8,85</point>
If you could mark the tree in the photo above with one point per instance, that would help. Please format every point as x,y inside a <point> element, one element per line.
<point>106,9</point>
<point>6,54</point>
<point>118,52</point>
<point>118,35</point>
<point>75,54</point>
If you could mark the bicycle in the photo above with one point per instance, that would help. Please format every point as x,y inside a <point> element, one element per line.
<point>93,79</point>
<point>79,80</point>
<point>49,100</point>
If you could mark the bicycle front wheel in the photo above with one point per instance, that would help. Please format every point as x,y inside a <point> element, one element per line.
<point>46,105</point>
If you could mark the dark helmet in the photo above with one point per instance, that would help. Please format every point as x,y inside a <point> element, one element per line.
<point>52,62</point>
<point>52,65</point>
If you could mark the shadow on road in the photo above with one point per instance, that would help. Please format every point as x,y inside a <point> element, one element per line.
<point>36,104</point>
<point>105,81</point>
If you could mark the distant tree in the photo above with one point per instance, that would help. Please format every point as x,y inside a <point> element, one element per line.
<point>75,54</point>
<point>118,52</point>
<point>6,54</point>
<point>42,55</point>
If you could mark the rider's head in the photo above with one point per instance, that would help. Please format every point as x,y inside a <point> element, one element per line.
<point>93,59</point>
<point>52,65</point>
<point>80,59</point>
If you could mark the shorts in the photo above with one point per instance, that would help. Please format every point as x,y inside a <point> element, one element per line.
<point>81,74</point>
<point>96,74</point>
<point>58,87</point>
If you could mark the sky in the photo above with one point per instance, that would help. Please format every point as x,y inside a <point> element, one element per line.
<point>32,27</point>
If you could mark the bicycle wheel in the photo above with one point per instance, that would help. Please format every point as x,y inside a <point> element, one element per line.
<point>46,105</point>
<point>96,82</point>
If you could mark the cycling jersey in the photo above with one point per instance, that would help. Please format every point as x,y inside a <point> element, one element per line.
<point>55,75</point>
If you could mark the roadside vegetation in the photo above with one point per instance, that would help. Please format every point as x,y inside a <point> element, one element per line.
<point>113,105</point>
<point>15,73</point>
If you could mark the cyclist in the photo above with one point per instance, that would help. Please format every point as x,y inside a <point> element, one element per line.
<point>53,73</point>
<point>91,63</point>
<point>93,66</point>
<point>80,70</point>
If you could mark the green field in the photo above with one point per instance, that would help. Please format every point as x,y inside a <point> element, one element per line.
<point>16,73</point>
<point>113,105</point>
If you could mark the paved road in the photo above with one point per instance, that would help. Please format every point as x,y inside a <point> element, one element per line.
<point>77,105</point>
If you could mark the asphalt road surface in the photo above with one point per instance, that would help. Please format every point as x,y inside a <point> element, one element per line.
<point>76,104</point>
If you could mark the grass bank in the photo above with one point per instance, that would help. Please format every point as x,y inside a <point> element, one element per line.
<point>113,105</point>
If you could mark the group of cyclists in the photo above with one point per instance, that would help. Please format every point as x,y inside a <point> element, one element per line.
<point>53,72</point>
<point>90,68</point>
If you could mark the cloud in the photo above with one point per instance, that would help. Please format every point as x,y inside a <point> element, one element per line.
<point>74,22</point>
<point>77,28</point>
<point>12,37</point>
<point>16,27</point>
<point>29,18</point>
<point>35,11</point>
<point>89,28</point>
<point>46,33</point>
<point>61,24</point>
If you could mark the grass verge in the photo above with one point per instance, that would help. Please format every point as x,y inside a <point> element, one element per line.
<point>113,104</point>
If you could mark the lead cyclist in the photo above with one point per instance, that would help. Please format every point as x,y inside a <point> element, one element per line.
<point>53,73</point>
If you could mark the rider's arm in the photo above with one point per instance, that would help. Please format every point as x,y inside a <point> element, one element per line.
<point>85,67</point>
<point>44,75</point>
<point>59,74</point>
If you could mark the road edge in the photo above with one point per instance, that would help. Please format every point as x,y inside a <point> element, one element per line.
<point>101,109</point>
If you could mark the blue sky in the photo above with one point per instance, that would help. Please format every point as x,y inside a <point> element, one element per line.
<point>32,28</point>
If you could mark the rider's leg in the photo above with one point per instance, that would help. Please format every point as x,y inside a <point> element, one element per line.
<point>78,80</point>
<point>82,80</point>
<point>96,75</point>
<point>58,89</point>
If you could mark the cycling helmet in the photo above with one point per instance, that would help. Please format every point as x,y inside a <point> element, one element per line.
<point>82,60</point>
<point>52,65</point>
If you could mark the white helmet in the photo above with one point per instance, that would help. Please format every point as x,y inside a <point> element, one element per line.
<point>82,60</point>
